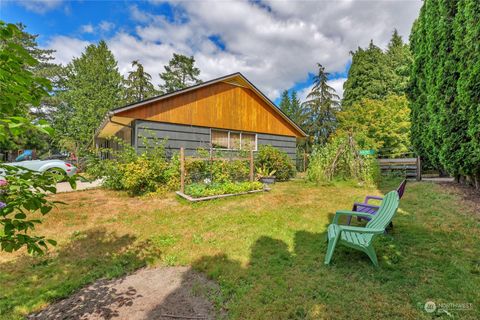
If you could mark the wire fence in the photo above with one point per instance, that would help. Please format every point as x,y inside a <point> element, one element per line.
<point>215,166</point>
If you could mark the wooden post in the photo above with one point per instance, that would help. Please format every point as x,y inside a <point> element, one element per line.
<point>419,169</point>
<point>182,170</point>
<point>304,161</point>
<point>251,165</point>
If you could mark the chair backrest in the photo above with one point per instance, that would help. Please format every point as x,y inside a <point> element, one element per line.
<point>385,213</point>
<point>401,188</point>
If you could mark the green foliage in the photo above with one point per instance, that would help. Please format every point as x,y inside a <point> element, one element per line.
<point>444,87</point>
<point>263,172</point>
<point>22,193</point>
<point>19,87</point>
<point>322,105</point>
<point>179,74</point>
<point>198,190</point>
<point>219,171</point>
<point>339,159</point>
<point>382,125</point>
<point>375,74</point>
<point>291,106</point>
<point>138,174</point>
<point>273,159</point>
<point>93,86</point>
<point>138,85</point>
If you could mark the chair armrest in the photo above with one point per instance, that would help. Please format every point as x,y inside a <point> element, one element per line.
<point>361,229</point>
<point>368,198</point>
<point>366,205</point>
<point>349,213</point>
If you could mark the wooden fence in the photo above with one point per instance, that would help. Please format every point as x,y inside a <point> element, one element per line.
<point>411,167</point>
<point>183,160</point>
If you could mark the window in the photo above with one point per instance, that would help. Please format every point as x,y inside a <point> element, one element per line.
<point>233,140</point>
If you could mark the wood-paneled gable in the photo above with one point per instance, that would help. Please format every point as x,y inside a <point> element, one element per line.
<point>219,105</point>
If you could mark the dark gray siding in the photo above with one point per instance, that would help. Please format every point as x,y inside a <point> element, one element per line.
<point>287,144</point>
<point>189,137</point>
<point>193,137</point>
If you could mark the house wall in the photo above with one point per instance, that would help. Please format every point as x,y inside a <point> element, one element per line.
<point>220,105</point>
<point>194,137</point>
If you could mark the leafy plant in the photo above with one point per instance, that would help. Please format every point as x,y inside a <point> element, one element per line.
<point>263,172</point>
<point>134,173</point>
<point>339,159</point>
<point>22,193</point>
<point>273,159</point>
<point>197,190</point>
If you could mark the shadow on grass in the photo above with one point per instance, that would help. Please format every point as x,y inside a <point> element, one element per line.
<point>34,281</point>
<point>419,262</point>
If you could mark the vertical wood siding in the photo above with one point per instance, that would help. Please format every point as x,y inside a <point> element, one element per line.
<point>220,105</point>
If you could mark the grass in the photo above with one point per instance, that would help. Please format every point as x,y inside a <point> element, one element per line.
<point>265,250</point>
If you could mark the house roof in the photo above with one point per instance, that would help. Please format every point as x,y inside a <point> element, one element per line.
<point>115,123</point>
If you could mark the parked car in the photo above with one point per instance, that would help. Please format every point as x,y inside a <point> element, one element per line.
<point>55,166</point>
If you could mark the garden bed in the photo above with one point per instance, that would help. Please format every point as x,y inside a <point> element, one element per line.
<point>201,192</point>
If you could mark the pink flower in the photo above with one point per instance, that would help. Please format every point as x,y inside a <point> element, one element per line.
<point>3,182</point>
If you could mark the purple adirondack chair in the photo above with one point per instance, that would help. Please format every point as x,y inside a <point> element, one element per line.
<point>372,209</point>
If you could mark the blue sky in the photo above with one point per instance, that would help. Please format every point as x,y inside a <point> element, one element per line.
<point>276,44</point>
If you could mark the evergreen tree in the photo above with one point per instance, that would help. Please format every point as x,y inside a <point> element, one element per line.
<point>138,85</point>
<point>444,87</point>
<point>179,74</point>
<point>93,86</point>
<point>285,102</point>
<point>369,77</point>
<point>400,60</point>
<point>322,105</point>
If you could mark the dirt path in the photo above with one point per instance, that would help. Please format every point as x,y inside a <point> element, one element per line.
<point>160,293</point>
<point>65,186</point>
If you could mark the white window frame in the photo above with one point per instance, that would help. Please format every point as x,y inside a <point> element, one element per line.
<point>228,139</point>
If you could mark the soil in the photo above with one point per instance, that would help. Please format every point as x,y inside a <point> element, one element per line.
<point>160,293</point>
<point>469,195</point>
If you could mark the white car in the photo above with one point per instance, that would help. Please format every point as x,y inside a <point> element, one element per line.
<point>54,166</point>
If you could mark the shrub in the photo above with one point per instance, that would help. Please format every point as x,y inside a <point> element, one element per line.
<point>134,173</point>
<point>198,190</point>
<point>340,160</point>
<point>272,159</point>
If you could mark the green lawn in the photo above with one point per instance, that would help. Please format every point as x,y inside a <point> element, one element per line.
<point>265,250</point>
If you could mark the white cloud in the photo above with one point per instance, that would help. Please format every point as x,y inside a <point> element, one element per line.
<point>275,44</point>
<point>40,6</point>
<point>87,28</point>
<point>336,84</point>
<point>66,48</point>
<point>106,26</point>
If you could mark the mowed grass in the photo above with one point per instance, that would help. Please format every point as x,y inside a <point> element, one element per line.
<point>265,250</point>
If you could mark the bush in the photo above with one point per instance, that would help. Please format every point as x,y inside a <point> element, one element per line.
<point>271,159</point>
<point>198,190</point>
<point>340,160</point>
<point>134,173</point>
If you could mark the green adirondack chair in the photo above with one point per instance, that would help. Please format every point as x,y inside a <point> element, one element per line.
<point>361,238</point>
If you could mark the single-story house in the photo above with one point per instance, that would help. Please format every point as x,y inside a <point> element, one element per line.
<point>227,113</point>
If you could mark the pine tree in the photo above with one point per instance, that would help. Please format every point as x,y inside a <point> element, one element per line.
<point>179,74</point>
<point>285,103</point>
<point>138,85</point>
<point>400,60</point>
<point>369,76</point>
<point>322,105</point>
<point>93,86</point>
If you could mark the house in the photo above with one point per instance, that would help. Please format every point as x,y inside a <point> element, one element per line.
<point>227,113</point>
